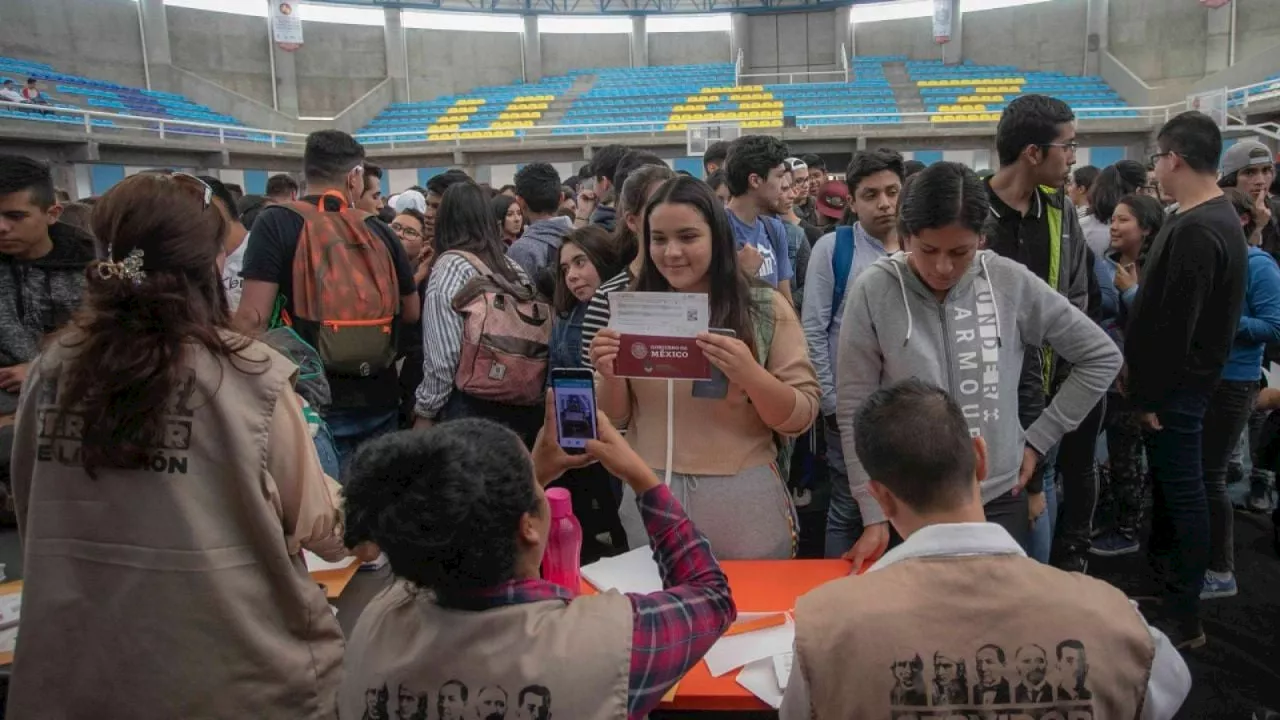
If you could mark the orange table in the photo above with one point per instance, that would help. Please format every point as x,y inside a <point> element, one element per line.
<point>758,586</point>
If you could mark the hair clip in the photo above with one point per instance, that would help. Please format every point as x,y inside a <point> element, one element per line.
<point>128,269</point>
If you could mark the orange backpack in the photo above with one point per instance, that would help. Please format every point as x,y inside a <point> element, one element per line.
<point>345,294</point>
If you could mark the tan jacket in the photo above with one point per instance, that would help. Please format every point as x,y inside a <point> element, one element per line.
<point>970,632</point>
<point>176,591</point>
<point>721,437</point>
<point>410,658</point>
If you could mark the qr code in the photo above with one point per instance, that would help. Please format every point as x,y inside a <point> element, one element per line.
<point>691,315</point>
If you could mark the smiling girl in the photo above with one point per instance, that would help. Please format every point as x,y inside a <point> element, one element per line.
<point>723,449</point>
<point>586,255</point>
<point>960,317</point>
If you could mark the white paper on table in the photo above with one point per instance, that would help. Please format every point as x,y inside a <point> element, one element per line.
<point>630,572</point>
<point>8,639</point>
<point>735,651</point>
<point>315,563</point>
<point>759,679</point>
<point>782,668</point>
<point>660,314</point>
<point>10,608</point>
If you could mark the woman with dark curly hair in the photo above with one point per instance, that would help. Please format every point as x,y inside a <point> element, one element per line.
<point>166,483</point>
<point>461,514</point>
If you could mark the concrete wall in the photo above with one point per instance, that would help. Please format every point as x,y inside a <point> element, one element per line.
<point>1161,41</point>
<point>1049,36</point>
<point>1257,27</point>
<point>94,38</point>
<point>912,37</point>
<point>443,62</point>
<point>339,64</point>
<point>571,52</point>
<point>230,50</point>
<point>688,48</point>
<point>792,42</point>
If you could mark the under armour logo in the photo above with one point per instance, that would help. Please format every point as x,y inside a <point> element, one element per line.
<point>989,415</point>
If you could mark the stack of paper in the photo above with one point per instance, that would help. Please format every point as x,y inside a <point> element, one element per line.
<point>630,572</point>
<point>764,656</point>
<point>315,563</point>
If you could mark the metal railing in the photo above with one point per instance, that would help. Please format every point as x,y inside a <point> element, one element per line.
<point>114,123</point>
<point>1273,91</point>
<point>105,124</point>
<point>791,77</point>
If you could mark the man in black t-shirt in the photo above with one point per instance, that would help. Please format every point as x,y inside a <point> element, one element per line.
<point>1181,329</point>
<point>363,407</point>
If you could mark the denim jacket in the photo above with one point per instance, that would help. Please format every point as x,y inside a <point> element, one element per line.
<point>566,339</point>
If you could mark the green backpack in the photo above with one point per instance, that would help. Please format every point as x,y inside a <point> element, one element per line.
<point>762,326</point>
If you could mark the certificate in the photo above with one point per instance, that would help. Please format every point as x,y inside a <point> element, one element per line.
<point>659,332</point>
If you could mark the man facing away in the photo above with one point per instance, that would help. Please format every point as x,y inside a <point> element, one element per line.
<point>1181,330</point>
<point>964,586</point>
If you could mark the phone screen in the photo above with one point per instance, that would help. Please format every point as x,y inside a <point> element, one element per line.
<point>575,410</point>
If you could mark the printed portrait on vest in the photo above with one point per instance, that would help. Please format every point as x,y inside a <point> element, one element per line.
<point>1073,671</point>
<point>375,703</point>
<point>1032,665</point>
<point>992,687</point>
<point>950,686</point>
<point>908,688</point>
<point>533,703</point>
<point>410,706</point>
<point>451,703</point>
<point>491,703</point>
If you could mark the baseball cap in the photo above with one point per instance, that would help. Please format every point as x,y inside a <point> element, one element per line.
<point>1246,153</point>
<point>409,199</point>
<point>795,165</point>
<point>832,198</point>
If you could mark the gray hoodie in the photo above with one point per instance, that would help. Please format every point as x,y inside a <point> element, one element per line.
<point>971,345</point>
<point>539,246</point>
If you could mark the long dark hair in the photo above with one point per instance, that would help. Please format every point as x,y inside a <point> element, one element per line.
<point>730,299</point>
<point>600,249</point>
<point>1114,182</point>
<point>631,200</point>
<point>132,334</point>
<point>501,204</point>
<point>1150,216</point>
<point>465,222</point>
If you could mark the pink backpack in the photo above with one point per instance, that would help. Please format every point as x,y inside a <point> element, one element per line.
<point>506,330</point>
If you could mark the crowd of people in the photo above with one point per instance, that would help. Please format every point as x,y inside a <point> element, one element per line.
<point>982,375</point>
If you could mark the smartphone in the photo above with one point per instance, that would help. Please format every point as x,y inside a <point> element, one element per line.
<point>717,388</point>
<point>575,392</point>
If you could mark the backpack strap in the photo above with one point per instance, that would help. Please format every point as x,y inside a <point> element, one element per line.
<point>841,265</point>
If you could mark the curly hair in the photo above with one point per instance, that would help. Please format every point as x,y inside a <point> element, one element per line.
<point>444,504</point>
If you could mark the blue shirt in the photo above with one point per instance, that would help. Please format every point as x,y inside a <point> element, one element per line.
<point>771,244</point>
<point>1259,319</point>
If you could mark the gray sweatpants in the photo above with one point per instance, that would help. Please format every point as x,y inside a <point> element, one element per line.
<point>748,516</point>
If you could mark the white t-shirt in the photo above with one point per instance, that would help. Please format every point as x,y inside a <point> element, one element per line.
<point>231,279</point>
<point>9,95</point>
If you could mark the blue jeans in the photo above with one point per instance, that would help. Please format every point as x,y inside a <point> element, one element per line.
<point>844,522</point>
<point>352,428</point>
<point>327,451</point>
<point>1040,541</point>
<point>1180,538</point>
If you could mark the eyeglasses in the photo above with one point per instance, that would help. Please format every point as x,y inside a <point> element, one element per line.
<point>1155,157</point>
<point>406,231</point>
<point>1071,146</point>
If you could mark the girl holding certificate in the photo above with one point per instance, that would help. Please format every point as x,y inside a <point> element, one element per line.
<point>717,442</point>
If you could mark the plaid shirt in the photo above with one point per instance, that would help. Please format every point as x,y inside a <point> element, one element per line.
<point>672,629</point>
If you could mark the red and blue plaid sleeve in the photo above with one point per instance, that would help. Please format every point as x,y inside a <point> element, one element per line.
<point>674,628</point>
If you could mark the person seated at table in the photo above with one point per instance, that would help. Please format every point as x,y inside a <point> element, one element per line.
<point>959,588</point>
<point>459,510</point>
<point>166,483</point>
<point>718,442</point>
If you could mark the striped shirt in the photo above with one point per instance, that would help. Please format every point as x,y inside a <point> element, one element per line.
<point>442,331</point>
<point>597,317</point>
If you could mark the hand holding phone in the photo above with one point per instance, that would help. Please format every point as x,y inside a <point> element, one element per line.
<point>575,395</point>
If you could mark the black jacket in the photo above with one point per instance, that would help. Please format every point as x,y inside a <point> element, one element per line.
<point>39,296</point>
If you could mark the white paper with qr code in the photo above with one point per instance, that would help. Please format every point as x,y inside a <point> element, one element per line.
<point>659,314</point>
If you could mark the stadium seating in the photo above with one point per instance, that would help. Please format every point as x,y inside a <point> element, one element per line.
<point>979,93</point>
<point>1267,89</point>
<point>487,112</point>
<point>82,93</point>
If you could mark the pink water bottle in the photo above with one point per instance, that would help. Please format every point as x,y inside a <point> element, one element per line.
<point>561,562</point>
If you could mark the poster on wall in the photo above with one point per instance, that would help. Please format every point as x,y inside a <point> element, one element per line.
<point>942,21</point>
<point>286,26</point>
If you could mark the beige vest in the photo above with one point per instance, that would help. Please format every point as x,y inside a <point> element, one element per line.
<point>972,637</point>
<point>408,658</point>
<point>167,592</point>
